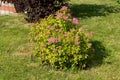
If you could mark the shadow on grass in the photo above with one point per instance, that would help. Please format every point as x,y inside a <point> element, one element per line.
<point>90,10</point>
<point>99,54</point>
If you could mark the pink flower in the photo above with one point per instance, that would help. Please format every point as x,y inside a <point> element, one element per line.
<point>90,44</point>
<point>59,15</point>
<point>59,47</point>
<point>75,21</point>
<point>60,30</point>
<point>32,24</point>
<point>77,43</point>
<point>64,8</point>
<point>52,40</point>
<point>87,34</point>
<point>68,14</point>
<point>65,18</point>
<point>91,32</point>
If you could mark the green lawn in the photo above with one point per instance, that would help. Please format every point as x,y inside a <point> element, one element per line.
<point>100,16</point>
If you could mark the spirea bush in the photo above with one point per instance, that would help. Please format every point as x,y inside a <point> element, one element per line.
<point>60,42</point>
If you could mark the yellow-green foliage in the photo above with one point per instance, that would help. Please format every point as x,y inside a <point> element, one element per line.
<point>60,42</point>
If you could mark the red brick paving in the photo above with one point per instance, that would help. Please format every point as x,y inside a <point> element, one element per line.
<point>8,8</point>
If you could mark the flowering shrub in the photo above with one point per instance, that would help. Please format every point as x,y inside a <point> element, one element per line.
<point>60,42</point>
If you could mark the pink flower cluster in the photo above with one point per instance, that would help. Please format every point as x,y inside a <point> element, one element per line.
<point>75,21</point>
<point>60,15</point>
<point>87,34</point>
<point>91,32</point>
<point>64,8</point>
<point>32,24</point>
<point>60,30</point>
<point>77,43</point>
<point>68,14</point>
<point>59,47</point>
<point>90,44</point>
<point>52,40</point>
<point>66,17</point>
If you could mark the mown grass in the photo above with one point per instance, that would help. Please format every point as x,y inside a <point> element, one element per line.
<point>99,16</point>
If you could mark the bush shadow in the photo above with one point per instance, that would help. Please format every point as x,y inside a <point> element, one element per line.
<point>91,10</point>
<point>100,53</point>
